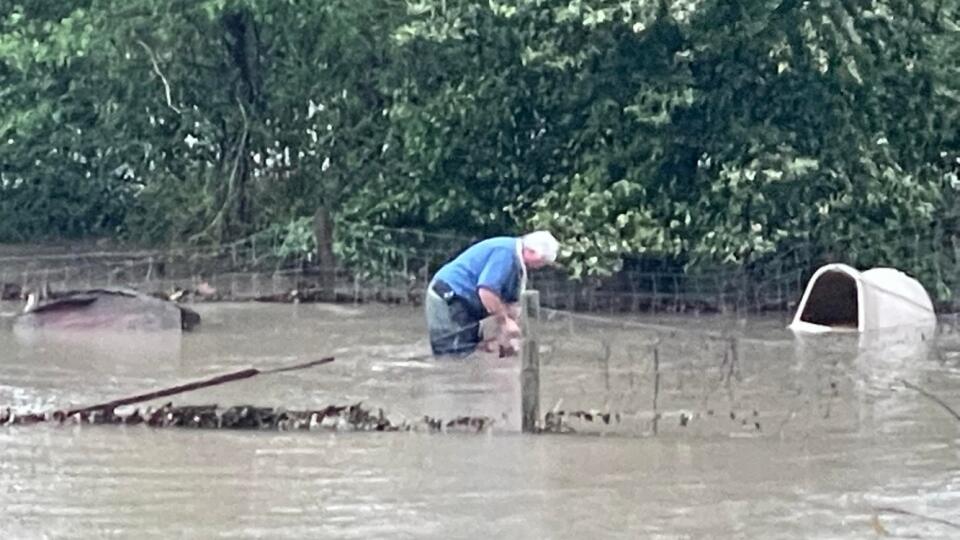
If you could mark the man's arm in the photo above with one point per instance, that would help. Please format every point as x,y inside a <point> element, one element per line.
<point>506,316</point>
<point>498,273</point>
<point>494,304</point>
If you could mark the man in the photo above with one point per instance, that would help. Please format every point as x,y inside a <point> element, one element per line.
<point>485,281</point>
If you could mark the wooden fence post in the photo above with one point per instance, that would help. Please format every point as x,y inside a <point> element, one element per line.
<point>530,361</point>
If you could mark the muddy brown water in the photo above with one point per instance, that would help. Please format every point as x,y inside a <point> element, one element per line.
<point>721,429</point>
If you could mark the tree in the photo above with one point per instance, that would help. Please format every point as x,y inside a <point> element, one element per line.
<point>703,132</point>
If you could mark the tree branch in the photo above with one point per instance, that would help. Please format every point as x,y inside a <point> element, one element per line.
<point>230,195</point>
<point>156,69</point>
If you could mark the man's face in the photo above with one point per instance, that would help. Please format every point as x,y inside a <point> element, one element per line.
<point>532,259</point>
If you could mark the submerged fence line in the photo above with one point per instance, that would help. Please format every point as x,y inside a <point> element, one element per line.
<point>659,328</point>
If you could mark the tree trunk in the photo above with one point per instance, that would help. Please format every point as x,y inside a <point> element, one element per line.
<point>326,260</point>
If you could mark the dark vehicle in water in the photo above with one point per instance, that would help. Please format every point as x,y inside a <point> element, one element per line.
<point>105,309</point>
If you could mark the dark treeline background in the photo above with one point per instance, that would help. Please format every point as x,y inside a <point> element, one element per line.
<point>695,131</point>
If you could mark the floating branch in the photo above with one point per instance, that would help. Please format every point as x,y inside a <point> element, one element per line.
<point>932,397</point>
<point>179,389</point>
<point>893,510</point>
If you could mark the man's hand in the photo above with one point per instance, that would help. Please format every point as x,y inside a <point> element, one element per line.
<point>509,338</point>
<point>505,317</point>
<point>509,328</point>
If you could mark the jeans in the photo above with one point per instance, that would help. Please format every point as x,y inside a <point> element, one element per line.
<point>453,329</point>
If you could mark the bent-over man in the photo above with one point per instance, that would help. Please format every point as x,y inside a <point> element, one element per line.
<point>486,280</point>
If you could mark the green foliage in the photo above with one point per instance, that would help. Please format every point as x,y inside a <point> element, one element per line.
<point>292,240</point>
<point>705,132</point>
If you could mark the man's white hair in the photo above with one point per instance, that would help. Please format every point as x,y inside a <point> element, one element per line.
<point>543,243</point>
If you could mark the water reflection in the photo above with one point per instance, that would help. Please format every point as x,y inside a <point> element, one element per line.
<point>103,351</point>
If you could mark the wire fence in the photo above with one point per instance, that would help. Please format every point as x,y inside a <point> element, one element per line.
<point>375,264</point>
<point>607,366</point>
<point>716,375</point>
<point>394,265</point>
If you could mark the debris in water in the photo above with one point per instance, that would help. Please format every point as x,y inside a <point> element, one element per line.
<point>248,417</point>
<point>10,291</point>
<point>877,526</point>
<point>557,421</point>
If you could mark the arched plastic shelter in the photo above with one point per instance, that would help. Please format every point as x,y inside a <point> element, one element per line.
<point>841,298</point>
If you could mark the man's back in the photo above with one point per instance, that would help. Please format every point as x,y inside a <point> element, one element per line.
<point>493,263</point>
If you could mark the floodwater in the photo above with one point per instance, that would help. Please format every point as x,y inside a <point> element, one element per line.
<point>719,428</point>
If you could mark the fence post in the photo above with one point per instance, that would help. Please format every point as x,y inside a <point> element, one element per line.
<point>530,361</point>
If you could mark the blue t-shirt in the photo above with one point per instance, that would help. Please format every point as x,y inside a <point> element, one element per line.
<point>493,264</point>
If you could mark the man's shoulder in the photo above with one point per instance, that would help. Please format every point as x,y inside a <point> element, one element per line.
<point>479,255</point>
<point>499,248</point>
<point>497,243</point>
